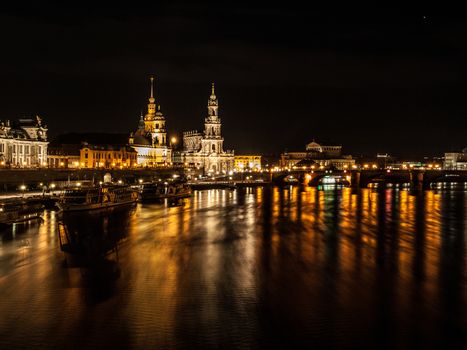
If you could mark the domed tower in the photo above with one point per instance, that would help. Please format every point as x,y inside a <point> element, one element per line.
<point>154,121</point>
<point>213,141</point>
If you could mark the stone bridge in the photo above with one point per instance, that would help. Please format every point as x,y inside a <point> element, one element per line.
<point>362,178</point>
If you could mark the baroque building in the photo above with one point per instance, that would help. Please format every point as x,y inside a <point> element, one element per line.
<point>92,151</point>
<point>23,144</point>
<point>150,140</point>
<point>318,155</point>
<point>247,162</point>
<point>107,156</point>
<point>206,149</point>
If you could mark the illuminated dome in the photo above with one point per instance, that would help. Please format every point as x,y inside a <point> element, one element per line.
<point>314,147</point>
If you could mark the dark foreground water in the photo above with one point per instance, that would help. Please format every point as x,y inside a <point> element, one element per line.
<point>244,269</point>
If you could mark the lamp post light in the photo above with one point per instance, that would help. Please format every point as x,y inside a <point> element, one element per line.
<point>173,142</point>
<point>22,188</point>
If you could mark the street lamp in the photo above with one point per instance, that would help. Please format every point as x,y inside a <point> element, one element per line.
<point>22,188</point>
<point>173,141</point>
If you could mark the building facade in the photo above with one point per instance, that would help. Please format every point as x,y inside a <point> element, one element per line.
<point>150,140</point>
<point>319,156</point>
<point>63,156</point>
<point>455,160</point>
<point>289,159</point>
<point>250,162</point>
<point>23,144</point>
<point>205,150</point>
<point>108,157</point>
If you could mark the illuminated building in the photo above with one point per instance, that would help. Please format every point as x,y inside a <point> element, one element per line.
<point>63,155</point>
<point>455,160</point>
<point>314,149</point>
<point>23,144</point>
<point>252,162</point>
<point>110,156</point>
<point>384,160</point>
<point>91,150</point>
<point>205,149</point>
<point>150,140</point>
<point>319,155</point>
<point>289,159</point>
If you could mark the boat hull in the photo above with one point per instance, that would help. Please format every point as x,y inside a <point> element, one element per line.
<point>94,206</point>
<point>19,210</point>
<point>21,218</point>
<point>158,197</point>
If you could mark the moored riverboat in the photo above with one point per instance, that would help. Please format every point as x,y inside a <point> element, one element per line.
<point>96,197</point>
<point>158,191</point>
<point>14,210</point>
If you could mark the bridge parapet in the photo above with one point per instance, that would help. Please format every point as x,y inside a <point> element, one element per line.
<point>362,178</point>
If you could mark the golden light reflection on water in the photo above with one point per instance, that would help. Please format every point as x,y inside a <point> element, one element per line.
<point>224,263</point>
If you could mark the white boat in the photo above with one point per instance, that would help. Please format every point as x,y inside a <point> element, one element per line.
<point>20,209</point>
<point>157,191</point>
<point>96,197</point>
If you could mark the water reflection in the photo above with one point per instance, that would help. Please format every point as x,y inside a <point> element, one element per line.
<point>248,268</point>
<point>91,243</point>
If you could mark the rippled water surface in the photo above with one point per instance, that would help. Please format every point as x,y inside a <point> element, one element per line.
<point>249,268</point>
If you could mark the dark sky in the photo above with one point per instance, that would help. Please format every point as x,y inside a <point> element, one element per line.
<point>380,82</point>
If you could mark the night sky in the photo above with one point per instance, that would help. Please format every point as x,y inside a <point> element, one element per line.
<point>385,82</point>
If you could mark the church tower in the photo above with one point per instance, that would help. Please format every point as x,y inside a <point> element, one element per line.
<point>212,141</point>
<point>206,150</point>
<point>154,121</point>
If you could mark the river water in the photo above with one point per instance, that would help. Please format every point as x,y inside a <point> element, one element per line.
<point>249,268</point>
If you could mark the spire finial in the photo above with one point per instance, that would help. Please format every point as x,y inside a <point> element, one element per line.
<point>152,86</point>
<point>212,89</point>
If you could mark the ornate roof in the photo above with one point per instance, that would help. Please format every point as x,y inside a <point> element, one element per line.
<point>141,138</point>
<point>314,146</point>
<point>29,129</point>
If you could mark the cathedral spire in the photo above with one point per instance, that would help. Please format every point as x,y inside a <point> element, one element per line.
<point>213,98</point>
<point>141,122</point>
<point>213,93</point>
<point>212,103</point>
<point>152,99</point>
<point>152,102</point>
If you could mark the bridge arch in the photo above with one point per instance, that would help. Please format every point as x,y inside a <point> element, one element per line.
<point>445,177</point>
<point>384,177</point>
